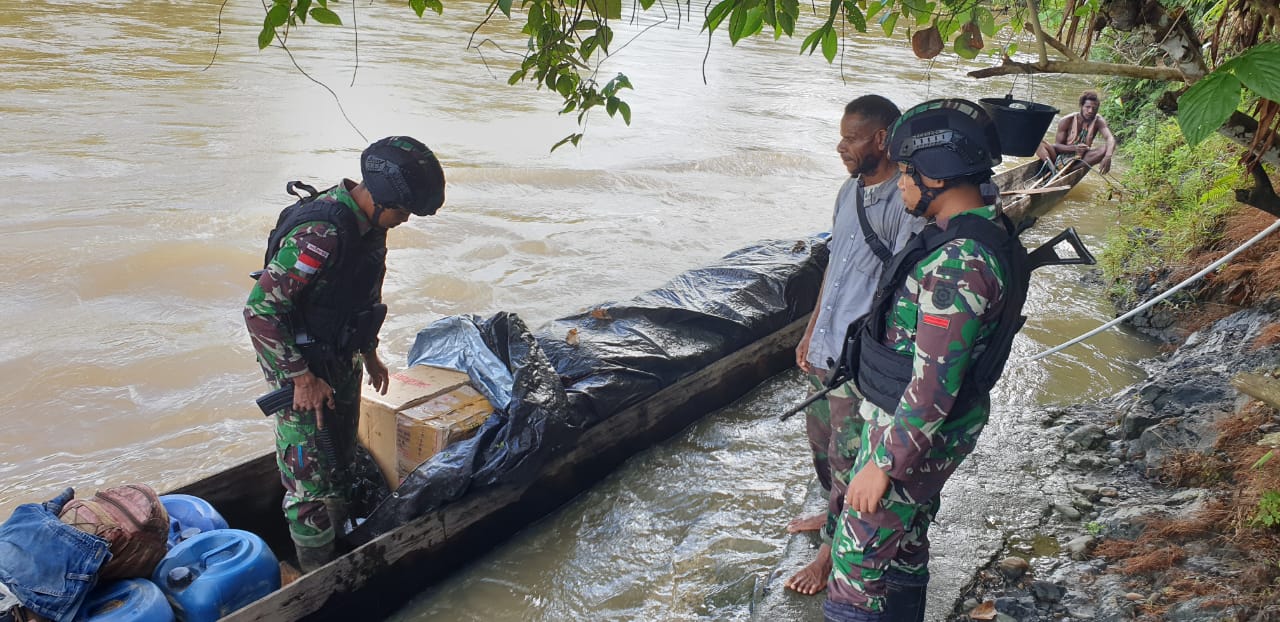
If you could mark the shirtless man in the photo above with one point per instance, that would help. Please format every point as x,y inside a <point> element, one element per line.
<point>1076,133</point>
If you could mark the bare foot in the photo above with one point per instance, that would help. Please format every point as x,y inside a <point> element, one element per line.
<point>812,578</point>
<point>802,524</point>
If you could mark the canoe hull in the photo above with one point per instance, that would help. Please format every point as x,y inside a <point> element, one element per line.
<point>377,578</point>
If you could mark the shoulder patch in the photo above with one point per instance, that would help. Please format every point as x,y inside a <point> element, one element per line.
<point>944,294</point>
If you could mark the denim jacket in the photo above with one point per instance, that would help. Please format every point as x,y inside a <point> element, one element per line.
<point>48,565</point>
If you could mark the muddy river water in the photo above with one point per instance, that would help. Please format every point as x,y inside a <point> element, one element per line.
<point>142,173</point>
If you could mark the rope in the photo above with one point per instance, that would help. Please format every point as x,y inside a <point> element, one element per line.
<point>1211,267</point>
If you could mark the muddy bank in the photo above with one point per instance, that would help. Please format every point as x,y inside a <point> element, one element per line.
<point>1132,522</point>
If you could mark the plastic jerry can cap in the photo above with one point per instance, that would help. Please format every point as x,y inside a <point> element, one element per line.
<point>180,577</point>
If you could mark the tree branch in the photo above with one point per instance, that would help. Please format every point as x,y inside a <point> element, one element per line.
<point>1059,46</point>
<point>1035,24</point>
<point>1010,67</point>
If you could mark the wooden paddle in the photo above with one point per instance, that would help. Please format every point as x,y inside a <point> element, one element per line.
<point>1035,190</point>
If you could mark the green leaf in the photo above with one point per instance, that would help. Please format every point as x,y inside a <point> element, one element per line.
<point>277,16</point>
<point>435,7</point>
<point>325,16</point>
<point>420,6</point>
<point>753,22</point>
<point>1264,459</point>
<point>1011,50</point>
<point>888,22</point>
<point>588,46</point>
<point>564,87</point>
<point>517,76</point>
<point>611,106</point>
<point>503,5</point>
<point>625,110</point>
<point>1206,105</point>
<point>586,24</point>
<point>609,9</point>
<point>874,7</point>
<point>1259,70</point>
<point>645,4</point>
<point>736,20</point>
<point>572,138</point>
<point>300,10</point>
<point>569,106</point>
<point>829,44</point>
<point>814,39</point>
<point>264,38</point>
<point>962,47</point>
<point>718,13</point>
<point>854,15</point>
<point>788,11</point>
<point>986,21</point>
<point>922,12</point>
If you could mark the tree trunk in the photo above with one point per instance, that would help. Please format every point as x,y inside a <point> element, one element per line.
<point>1172,32</point>
<point>1263,388</point>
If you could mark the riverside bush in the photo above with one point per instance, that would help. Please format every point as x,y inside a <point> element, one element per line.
<point>1176,199</point>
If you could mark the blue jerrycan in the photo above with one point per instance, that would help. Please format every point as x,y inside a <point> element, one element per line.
<point>188,516</point>
<point>126,600</point>
<point>214,573</point>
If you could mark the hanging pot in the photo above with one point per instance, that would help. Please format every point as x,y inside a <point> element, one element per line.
<point>1020,124</point>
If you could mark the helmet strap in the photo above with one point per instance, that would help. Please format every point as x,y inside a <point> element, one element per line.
<point>927,195</point>
<point>377,215</point>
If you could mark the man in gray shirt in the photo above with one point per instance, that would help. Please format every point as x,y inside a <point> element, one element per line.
<point>854,267</point>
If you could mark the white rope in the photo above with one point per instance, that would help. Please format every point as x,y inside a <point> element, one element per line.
<point>1213,266</point>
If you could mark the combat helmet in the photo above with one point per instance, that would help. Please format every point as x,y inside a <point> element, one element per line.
<point>945,139</point>
<point>402,173</point>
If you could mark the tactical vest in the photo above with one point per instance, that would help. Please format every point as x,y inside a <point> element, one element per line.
<point>882,373</point>
<point>330,323</point>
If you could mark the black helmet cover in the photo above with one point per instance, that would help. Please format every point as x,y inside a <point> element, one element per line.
<point>945,139</point>
<point>402,173</point>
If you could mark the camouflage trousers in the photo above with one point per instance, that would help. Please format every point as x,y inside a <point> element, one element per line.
<point>834,429</point>
<point>308,474</point>
<point>891,544</point>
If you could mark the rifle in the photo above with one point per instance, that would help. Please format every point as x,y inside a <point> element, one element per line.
<point>839,375</point>
<point>1045,255</point>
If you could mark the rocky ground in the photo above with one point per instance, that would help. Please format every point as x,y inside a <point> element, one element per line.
<point>1144,527</point>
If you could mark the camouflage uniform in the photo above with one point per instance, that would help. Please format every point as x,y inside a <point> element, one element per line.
<point>943,314</point>
<point>832,425</point>
<point>308,477</point>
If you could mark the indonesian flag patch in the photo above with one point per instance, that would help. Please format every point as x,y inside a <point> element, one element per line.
<point>308,263</point>
<point>935,320</point>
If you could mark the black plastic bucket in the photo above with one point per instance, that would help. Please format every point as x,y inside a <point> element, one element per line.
<point>1020,124</point>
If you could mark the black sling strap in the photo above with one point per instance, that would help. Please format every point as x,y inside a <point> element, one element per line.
<point>868,234</point>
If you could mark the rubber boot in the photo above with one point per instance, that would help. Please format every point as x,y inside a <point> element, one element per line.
<point>312,557</point>
<point>907,596</point>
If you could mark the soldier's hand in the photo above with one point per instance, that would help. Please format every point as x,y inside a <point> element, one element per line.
<point>379,377</point>
<point>866,489</point>
<point>312,393</point>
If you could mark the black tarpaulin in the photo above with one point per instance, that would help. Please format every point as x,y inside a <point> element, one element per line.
<point>576,371</point>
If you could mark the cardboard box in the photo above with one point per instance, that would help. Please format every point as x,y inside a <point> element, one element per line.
<point>378,413</point>
<point>426,429</point>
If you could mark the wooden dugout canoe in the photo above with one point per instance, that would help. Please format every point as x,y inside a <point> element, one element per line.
<point>1047,188</point>
<point>377,578</point>
<point>374,580</point>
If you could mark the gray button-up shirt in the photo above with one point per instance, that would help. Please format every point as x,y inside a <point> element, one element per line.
<point>850,279</point>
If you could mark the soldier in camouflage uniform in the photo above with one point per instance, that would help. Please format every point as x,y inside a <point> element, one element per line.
<point>832,425</point>
<point>313,317</point>
<point>935,316</point>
